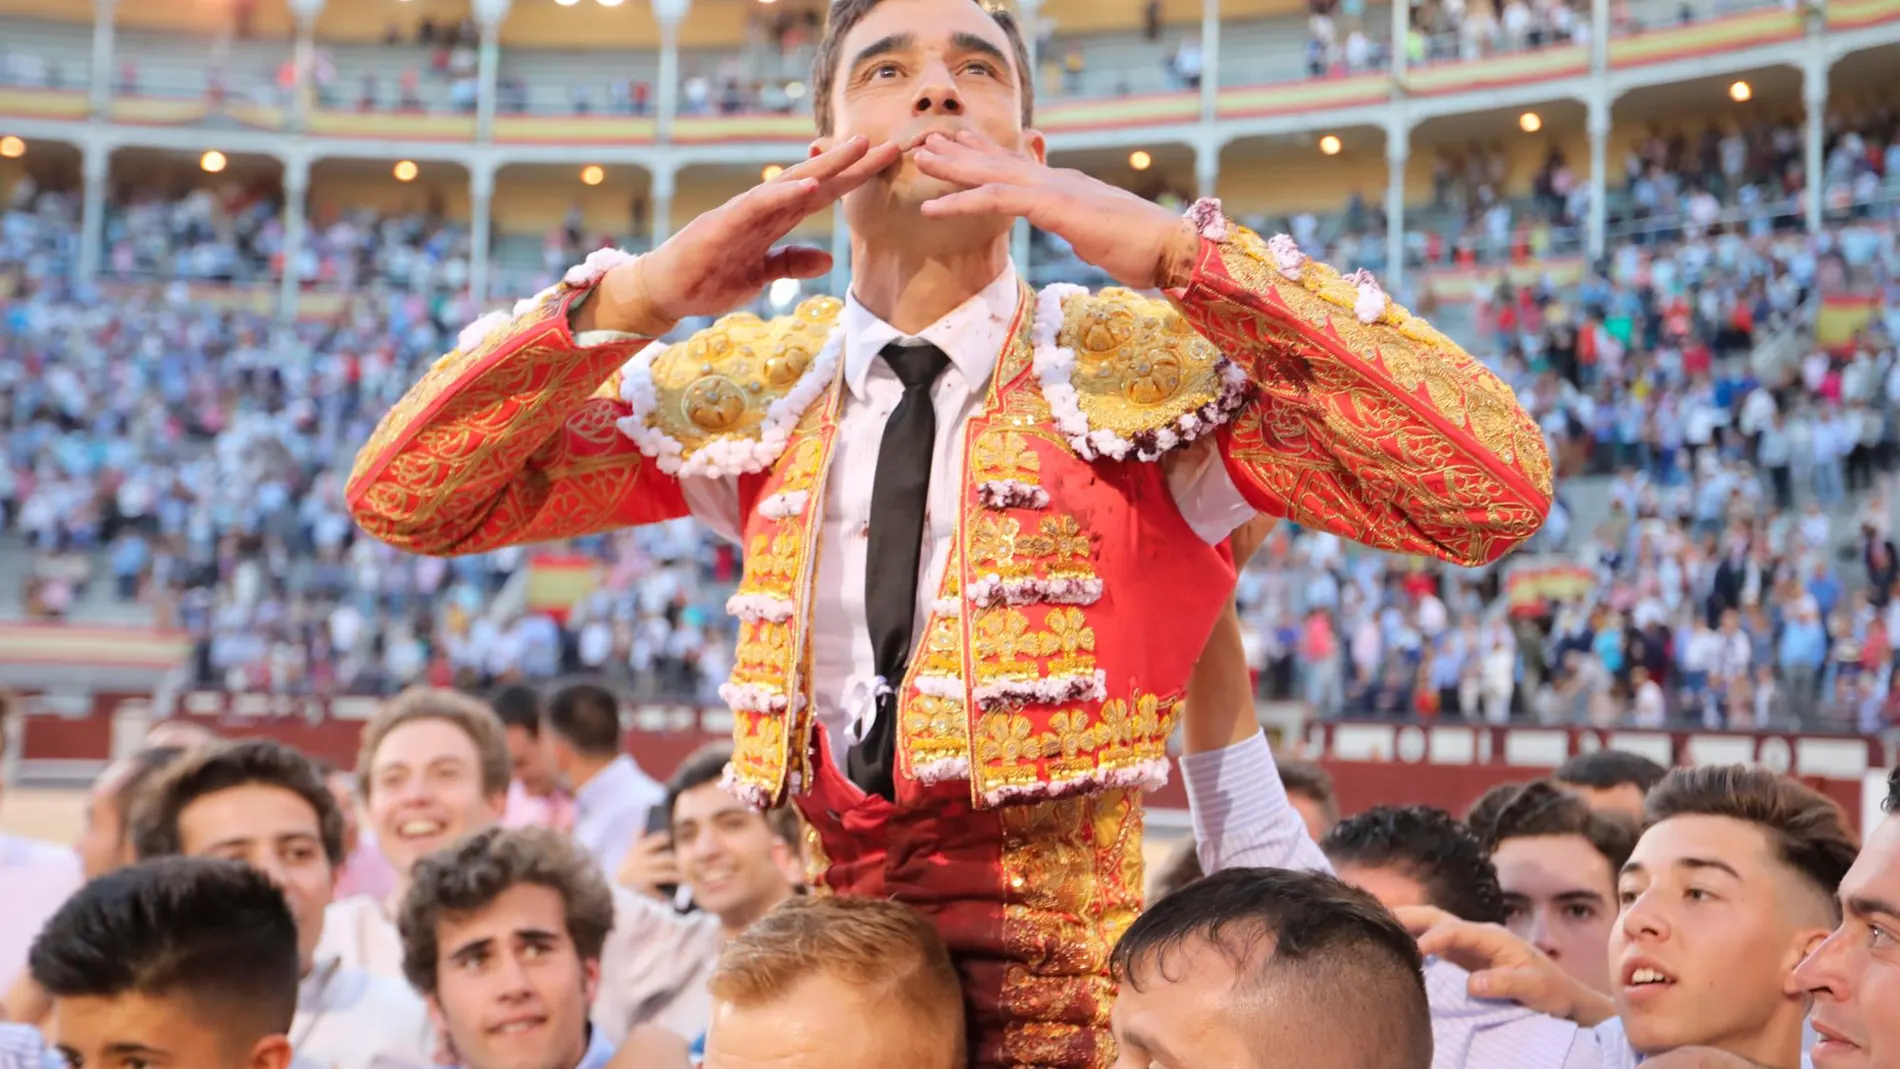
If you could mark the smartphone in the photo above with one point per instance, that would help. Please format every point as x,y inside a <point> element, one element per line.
<point>660,822</point>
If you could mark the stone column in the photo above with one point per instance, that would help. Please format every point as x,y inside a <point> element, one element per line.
<point>665,184</point>
<point>489,15</point>
<point>296,214</point>
<point>95,170</point>
<point>1599,35</point>
<point>481,199</point>
<point>1398,149</point>
<point>1814,95</point>
<point>304,62</point>
<point>1401,33</point>
<point>1210,61</point>
<point>99,97</point>
<point>1598,124</point>
<point>669,14</point>
<point>1207,167</point>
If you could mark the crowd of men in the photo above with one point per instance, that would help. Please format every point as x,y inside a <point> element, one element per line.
<point>497,886</point>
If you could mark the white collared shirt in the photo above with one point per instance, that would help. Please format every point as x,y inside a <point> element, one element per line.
<point>610,810</point>
<point>972,336</point>
<point>348,1019</point>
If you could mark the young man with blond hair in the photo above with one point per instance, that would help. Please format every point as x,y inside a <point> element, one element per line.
<point>993,654</point>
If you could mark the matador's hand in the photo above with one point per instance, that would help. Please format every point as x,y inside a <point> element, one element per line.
<point>1137,242</point>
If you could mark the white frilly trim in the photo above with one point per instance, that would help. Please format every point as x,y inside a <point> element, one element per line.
<point>1208,219</point>
<point>1002,494</point>
<point>754,796</point>
<point>1047,690</point>
<point>1055,365</point>
<point>477,332</point>
<point>784,504</point>
<point>995,590</point>
<point>726,455</point>
<point>1371,303</point>
<point>755,607</point>
<point>935,686</point>
<point>596,266</point>
<point>942,770</point>
<point>752,698</point>
<point>946,606</point>
<point>1150,775</point>
<point>1287,256</point>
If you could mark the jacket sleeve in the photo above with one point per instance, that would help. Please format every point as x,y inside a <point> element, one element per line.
<point>1365,421</point>
<point>511,439</point>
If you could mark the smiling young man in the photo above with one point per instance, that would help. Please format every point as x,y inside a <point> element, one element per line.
<point>1557,862</point>
<point>180,963</point>
<point>262,803</point>
<point>1054,478</point>
<point>503,934</point>
<point>1853,979</point>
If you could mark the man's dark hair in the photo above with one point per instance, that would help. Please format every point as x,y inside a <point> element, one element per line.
<point>519,706</point>
<point>1330,955</point>
<point>1806,829</point>
<point>587,718</point>
<point>846,14</point>
<point>708,765</point>
<point>214,932</point>
<point>1310,780</point>
<point>144,767</point>
<point>1892,801</point>
<point>467,877</point>
<point>221,767</point>
<point>1431,847</point>
<point>1526,810</point>
<point>1610,768</point>
<point>1182,868</point>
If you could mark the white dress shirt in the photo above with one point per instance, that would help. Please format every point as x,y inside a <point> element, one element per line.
<point>610,811</point>
<point>349,1019</point>
<point>973,335</point>
<point>36,878</point>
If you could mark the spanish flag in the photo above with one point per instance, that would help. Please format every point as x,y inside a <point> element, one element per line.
<point>1841,317</point>
<point>557,582</point>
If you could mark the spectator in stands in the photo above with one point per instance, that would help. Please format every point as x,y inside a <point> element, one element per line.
<point>503,933</point>
<point>612,794</point>
<point>1612,780</point>
<point>365,871</point>
<point>1728,890</point>
<point>38,877</point>
<point>183,961</point>
<point>1416,856</point>
<point>1850,977</point>
<point>262,803</point>
<point>848,983</point>
<point>1255,967</point>
<point>1557,863</point>
<point>536,797</point>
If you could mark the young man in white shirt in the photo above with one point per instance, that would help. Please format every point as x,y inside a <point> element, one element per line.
<point>503,934</point>
<point>612,795</point>
<point>1852,977</point>
<point>262,803</point>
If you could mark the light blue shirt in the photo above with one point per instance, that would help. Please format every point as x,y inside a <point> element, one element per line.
<point>22,1048</point>
<point>610,811</point>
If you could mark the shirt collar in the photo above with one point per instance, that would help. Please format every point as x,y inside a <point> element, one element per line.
<point>971,335</point>
<point>605,784</point>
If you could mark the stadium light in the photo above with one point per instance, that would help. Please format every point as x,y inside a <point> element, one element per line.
<point>1329,145</point>
<point>610,3</point>
<point>593,174</point>
<point>212,161</point>
<point>1140,160</point>
<point>1530,122</point>
<point>1740,92</point>
<point>406,170</point>
<point>567,3</point>
<point>11,147</point>
<point>772,170</point>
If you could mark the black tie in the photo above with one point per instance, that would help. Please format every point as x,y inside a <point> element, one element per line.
<point>898,496</point>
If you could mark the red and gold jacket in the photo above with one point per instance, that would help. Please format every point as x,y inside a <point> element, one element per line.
<point>1077,597</point>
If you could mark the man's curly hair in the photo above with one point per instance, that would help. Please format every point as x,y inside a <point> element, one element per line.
<point>1430,846</point>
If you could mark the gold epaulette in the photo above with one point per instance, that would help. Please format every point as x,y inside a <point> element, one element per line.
<point>724,401</point>
<point>1127,377</point>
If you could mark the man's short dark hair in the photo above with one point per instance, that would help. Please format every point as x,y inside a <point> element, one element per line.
<point>221,767</point>
<point>519,706</point>
<point>467,877</point>
<point>708,765</point>
<point>1431,847</point>
<point>1527,810</point>
<point>1806,829</point>
<point>1610,768</point>
<point>846,14</point>
<point>1330,954</point>
<point>143,767</point>
<point>1309,779</point>
<point>587,718</point>
<point>211,931</point>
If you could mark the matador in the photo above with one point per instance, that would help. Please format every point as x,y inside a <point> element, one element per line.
<point>983,527</point>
